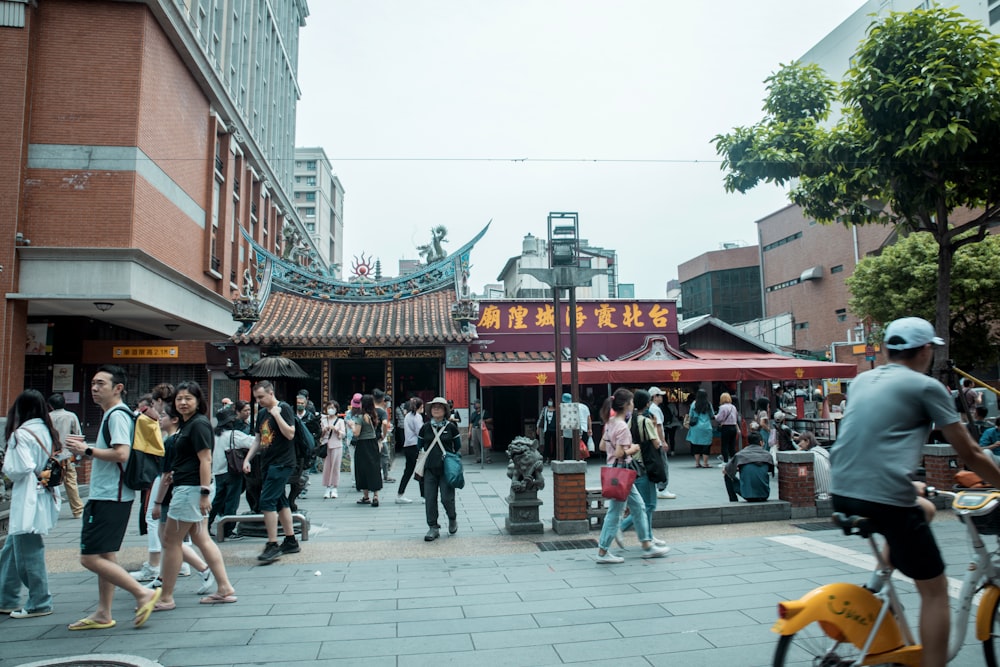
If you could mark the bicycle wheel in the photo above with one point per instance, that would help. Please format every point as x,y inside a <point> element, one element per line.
<point>991,646</point>
<point>811,646</point>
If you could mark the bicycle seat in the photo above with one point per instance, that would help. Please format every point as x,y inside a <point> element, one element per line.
<point>854,525</point>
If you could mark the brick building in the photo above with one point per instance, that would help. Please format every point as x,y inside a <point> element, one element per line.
<point>803,266</point>
<point>139,139</point>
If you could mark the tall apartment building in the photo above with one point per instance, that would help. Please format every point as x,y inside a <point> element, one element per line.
<point>534,254</point>
<point>141,141</point>
<point>319,200</point>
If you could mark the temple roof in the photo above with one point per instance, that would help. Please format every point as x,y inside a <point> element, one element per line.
<point>289,319</point>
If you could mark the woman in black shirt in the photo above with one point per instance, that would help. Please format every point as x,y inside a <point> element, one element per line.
<point>438,429</point>
<point>192,498</point>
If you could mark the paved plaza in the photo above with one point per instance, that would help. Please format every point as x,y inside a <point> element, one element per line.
<point>366,590</point>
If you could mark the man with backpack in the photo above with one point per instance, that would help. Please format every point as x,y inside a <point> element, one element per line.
<point>106,514</point>
<point>275,442</point>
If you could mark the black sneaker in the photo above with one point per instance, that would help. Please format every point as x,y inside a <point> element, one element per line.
<point>432,534</point>
<point>290,546</point>
<point>452,526</point>
<point>271,553</point>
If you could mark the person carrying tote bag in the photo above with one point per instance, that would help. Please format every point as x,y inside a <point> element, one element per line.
<point>617,443</point>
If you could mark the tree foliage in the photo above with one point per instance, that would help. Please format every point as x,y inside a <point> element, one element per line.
<point>902,281</point>
<point>920,118</point>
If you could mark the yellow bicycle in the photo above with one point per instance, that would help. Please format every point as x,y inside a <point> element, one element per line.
<point>838,625</point>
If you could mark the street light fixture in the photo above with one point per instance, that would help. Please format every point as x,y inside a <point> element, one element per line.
<point>564,272</point>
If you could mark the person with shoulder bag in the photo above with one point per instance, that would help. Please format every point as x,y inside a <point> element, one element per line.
<point>617,441</point>
<point>438,438</point>
<point>34,507</point>
<point>230,450</point>
<point>643,432</point>
<point>699,434</point>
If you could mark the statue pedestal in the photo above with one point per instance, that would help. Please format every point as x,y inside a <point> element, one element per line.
<point>522,517</point>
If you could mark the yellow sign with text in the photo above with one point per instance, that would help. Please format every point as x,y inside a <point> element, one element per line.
<point>146,352</point>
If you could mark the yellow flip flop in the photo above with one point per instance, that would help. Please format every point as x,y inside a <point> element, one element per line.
<point>142,614</point>
<point>91,624</point>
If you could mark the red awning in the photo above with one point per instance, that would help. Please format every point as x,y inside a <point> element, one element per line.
<point>512,374</point>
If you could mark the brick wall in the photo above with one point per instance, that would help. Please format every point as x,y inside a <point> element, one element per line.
<point>941,463</point>
<point>796,483</point>
<point>570,496</point>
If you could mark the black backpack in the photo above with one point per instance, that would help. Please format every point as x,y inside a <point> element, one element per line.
<point>305,443</point>
<point>652,460</point>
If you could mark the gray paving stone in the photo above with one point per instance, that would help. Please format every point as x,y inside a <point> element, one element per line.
<point>446,600</point>
<point>622,649</point>
<point>686,623</point>
<point>543,636</point>
<point>536,655</point>
<point>396,646</point>
<point>240,655</point>
<point>466,625</point>
<point>536,607</point>
<point>720,604</point>
<point>591,615</point>
<point>657,597</point>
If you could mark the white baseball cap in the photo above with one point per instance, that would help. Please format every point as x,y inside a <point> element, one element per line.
<point>655,391</point>
<point>907,333</point>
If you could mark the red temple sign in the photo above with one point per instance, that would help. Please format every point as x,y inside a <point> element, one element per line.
<point>591,316</point>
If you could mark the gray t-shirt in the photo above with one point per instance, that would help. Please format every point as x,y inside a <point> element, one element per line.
<point>889,415</point>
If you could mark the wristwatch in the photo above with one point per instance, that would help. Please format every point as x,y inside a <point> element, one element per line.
<point>89,451</point>
<point>206,492</point>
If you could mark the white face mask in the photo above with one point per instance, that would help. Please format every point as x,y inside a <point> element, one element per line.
<point>331,412</point>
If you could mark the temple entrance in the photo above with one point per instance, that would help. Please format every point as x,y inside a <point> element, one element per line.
<point>417,377</point>
<point>349,377</point>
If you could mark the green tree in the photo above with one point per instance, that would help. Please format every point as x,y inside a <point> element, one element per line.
<point>903,280</point>
<point>919,124</point>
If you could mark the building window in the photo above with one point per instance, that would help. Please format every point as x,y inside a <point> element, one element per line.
<point>781,242</point>
<point>310,196</point>
<point>310,180</point>
<point>837,269</point>
<point>801,325</point>
<point>308,211</point>
<point>311,226</point>
<point>311,165</point>
<point>298,181</point>
<point>298,165</point>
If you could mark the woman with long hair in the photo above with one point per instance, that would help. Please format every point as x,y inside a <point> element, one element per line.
<point>700,430</point>
<point>367,461</point>
<point>617,443</point>
<point>412,423</point>
<point>34,508</point>
<point>332,431</point>
<point>191,483</point>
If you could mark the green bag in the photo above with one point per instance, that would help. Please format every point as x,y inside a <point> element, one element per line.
<point>453,474</point>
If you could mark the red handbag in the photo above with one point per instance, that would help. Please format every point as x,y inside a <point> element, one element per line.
<point>584,451</point>
<point>616,482</point>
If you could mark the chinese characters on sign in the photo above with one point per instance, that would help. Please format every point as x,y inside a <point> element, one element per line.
<point>145,352</point>
<point>601,316</point>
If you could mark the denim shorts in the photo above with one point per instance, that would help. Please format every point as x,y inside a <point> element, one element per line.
<point>186,504</point>
<point>272,493</point>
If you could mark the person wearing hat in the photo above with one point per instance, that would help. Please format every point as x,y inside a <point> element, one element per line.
<point>879,444</point>
<point>569,445</point>
<point>655,412</point>
<point>438,431</point>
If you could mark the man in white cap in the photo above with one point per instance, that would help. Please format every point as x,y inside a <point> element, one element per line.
<point>656,413</point>
<point>879,443</point>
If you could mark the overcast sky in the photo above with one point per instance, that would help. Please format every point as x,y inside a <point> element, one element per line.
<point>454,112</point>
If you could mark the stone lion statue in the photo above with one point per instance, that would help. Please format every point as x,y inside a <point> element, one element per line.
<point>525,467</point>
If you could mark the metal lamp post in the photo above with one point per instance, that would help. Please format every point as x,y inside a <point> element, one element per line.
<point>564,272</point>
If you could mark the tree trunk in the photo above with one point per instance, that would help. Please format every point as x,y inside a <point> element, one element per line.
<point>942,311</point>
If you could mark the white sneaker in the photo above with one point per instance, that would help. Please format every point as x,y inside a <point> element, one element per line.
<point>609,559</point>
<point>657,542</point>
<point>403,500</point>
<point>146,573</point>
<point>333,493</point>
<point>666,495</point>
<point>154,584</point>
<point>327,495</point>
<point>655,552</point>
<point>208,582</point>
<point>620,539</point>
<point>185,570</point>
